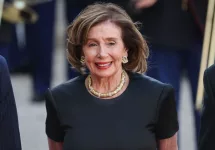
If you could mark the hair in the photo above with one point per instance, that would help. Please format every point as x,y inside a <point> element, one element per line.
<point>100,12</point>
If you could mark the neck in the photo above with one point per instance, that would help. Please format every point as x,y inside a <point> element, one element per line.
<point>106,84</point>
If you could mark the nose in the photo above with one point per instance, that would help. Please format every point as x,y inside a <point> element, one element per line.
<point>103,51</point>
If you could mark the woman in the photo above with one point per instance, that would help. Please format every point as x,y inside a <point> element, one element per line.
<point>113,106</point>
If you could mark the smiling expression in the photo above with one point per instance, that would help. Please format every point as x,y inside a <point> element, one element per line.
<point>104,49</point>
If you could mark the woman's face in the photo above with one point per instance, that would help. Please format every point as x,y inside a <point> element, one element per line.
<point>104,50</point>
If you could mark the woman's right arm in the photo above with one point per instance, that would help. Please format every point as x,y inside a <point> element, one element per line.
<point>55,145</point>
<point>54,130</point>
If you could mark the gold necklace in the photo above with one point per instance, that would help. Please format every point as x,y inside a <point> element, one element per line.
<point>109,94</point>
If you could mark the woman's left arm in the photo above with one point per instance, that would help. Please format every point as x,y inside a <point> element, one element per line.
<point>168,144</point>
<point>167,122</point>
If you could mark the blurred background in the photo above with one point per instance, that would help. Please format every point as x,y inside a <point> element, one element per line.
<point>35,52</point>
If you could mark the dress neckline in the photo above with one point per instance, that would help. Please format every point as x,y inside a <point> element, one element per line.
<point>111,100</point>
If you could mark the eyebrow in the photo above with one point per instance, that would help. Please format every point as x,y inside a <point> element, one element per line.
<point>109,38</point>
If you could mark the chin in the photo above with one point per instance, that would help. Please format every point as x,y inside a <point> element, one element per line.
<point>104,73</point>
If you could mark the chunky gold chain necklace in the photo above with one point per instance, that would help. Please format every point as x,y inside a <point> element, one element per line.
<point>109,94</point>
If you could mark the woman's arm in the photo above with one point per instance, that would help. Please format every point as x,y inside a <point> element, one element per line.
<point>55,145</point>
<point>168,144</point>
<point>167,124</point>
<point>53,128</point>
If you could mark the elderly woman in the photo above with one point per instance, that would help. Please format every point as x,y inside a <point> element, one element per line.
<point>113,106</point>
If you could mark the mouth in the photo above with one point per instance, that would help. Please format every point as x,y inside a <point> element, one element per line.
<point>103,65</point>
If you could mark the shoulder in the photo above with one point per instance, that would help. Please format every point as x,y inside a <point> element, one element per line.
<point>209,80</point>
<point>149,82</point>
<point>210,72</point>
<point>3,63</point>
<point>6,92</point>
<point>67,93</point>
<point>2,60</point>
<point>70,86</point>
<point>4,72</point>
<point>151,89</point>
<point>209,75</point>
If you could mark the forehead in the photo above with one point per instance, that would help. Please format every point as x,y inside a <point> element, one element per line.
<point>105,29</point>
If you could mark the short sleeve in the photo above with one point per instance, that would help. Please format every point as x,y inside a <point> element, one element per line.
<point>54,129</point>
<point>167,119</point>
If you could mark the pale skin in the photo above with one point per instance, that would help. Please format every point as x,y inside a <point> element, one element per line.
<point>104,47</point>
<point>54,145</point>
<point>168,144</point>
<point>103,54</point>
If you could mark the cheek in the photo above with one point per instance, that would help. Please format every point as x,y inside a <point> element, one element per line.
<point>90,59</point>
<point>118,56</point>
<point>90,55</point>
<point>119,59</point>
<point>89,64</point>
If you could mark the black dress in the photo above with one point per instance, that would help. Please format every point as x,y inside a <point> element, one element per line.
<point>145,112</point>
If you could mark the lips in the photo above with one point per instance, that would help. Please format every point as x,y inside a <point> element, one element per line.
<point>103,65</point>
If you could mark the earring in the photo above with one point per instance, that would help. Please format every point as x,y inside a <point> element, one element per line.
<point>124,59</point>
<point>82,60</point>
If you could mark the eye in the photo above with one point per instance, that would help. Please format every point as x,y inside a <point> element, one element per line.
<point>92,44</point>
<point>111,43</point>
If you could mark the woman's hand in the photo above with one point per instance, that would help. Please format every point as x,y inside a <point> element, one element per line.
<point>141,4</point>
<point>168,144</point>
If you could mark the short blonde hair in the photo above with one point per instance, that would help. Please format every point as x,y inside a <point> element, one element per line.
<point>97,13</point>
